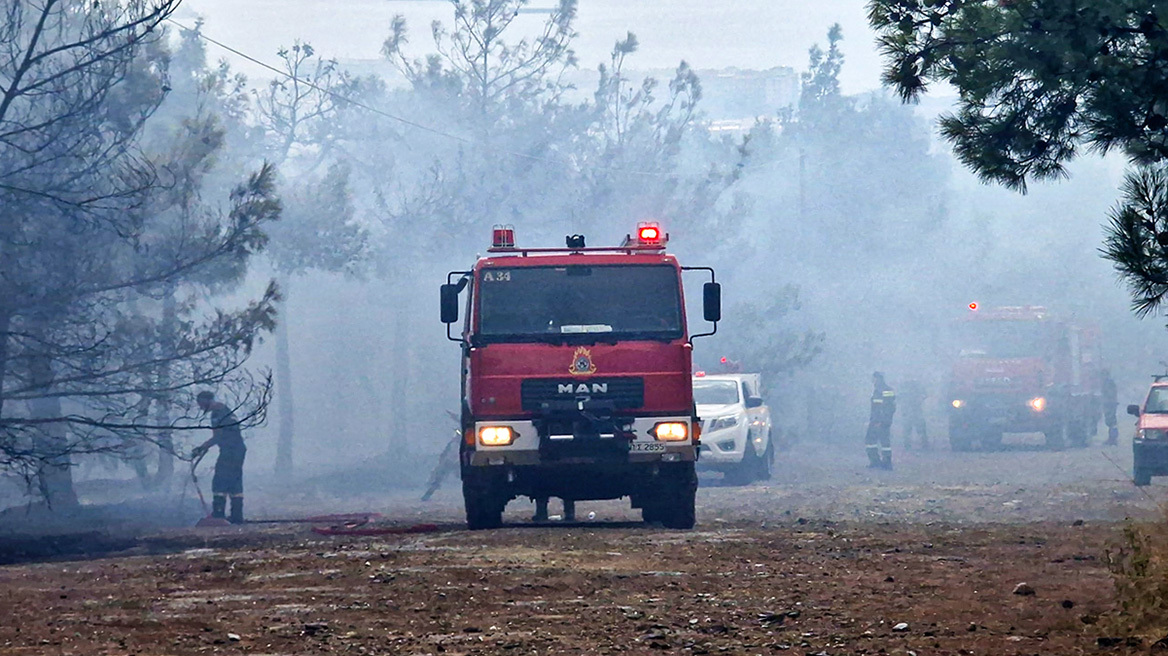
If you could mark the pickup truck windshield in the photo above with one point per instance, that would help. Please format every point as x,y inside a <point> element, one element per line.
<point>579,302</point>
<point>715,392</point>
<point>1157,403</point>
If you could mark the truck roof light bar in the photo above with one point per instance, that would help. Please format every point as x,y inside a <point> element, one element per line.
<point>648,238</point>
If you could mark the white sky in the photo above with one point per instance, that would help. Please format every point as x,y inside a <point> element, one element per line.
<point>755,34</point>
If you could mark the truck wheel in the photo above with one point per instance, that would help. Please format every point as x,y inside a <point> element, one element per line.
<point>959,438</point>
<point>678,497</point>
<point>766,463</point>
<point>1056,436</point>
<point>745,472</point>
<point>1141,477</point>
<point>1077,434</point>
<point>991,440</point>
<point>483,502</point>
<point>649,514</point>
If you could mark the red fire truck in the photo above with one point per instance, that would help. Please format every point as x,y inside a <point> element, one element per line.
<point>1020,370</point>
<point>576,376</point>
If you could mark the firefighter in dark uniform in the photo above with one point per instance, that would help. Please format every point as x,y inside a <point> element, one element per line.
<point>228,479</point>
<point>878,440</point>
<point>1109,398</point>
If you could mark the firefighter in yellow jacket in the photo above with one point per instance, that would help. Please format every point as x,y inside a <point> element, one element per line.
<point>879,438</point>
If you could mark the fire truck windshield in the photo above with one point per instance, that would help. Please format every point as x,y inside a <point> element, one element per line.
<point>1003,339</point>
<point>579,303</point>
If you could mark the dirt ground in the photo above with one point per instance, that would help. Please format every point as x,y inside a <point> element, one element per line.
<point>828,558</point>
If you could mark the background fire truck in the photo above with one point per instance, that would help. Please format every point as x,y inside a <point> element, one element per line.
<point>1021,370</point>
<point>576,376</point>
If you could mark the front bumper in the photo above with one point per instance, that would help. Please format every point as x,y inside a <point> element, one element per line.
<point>1007,413</point>
<point>1151,456</point>
<point>579,481</point>
<point>724,449</point>
<point>530,449</point>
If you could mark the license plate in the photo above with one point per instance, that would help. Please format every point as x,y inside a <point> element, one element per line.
<point>647,447</point>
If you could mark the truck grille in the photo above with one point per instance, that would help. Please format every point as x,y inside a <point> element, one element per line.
<point>542,393</point>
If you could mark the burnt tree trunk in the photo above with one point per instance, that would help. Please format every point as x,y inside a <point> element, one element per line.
<point>5,323</point>
<point>54,471</point>
<point>284,400</point>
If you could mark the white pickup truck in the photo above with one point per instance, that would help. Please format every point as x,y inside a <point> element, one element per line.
<point>736,427</point>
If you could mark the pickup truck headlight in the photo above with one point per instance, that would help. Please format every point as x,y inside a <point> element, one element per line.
<point>722,423</point>
<point>1153,434</point>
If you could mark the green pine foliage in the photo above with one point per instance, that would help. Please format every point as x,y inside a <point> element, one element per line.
<point>1039,82</point>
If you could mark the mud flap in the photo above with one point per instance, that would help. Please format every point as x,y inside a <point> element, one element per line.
<point>673,498</point>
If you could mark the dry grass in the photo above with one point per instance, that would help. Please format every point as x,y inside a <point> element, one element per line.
<point>1139,565</point>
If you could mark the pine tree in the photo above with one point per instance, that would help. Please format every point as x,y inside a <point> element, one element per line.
<point>1039,82</point>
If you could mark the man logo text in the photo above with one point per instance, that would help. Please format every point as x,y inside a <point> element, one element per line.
<point>582,388</point>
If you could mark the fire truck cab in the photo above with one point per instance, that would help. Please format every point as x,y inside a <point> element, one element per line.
<point>1021,369</point>
<point>576,376</point>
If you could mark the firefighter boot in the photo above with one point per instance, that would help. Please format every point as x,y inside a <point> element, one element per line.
<point>218,505</point>
<point>886,459</point>
<point>541,514</point>
<point>569,510</point>
<point>873,457</point>
<point>1112,435</point>
<point>237,509</point>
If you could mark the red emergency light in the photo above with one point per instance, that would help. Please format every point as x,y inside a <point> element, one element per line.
<point>649,234</point>
<point>973,306</point>
<point>503,236</point>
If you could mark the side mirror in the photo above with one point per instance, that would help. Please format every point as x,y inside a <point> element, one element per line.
<point>449,304</point>
<point>754,402</point>
<point>1133,410</point>
<point>712,302</point>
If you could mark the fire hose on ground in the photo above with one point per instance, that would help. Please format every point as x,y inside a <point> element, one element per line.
<point>357,524</point>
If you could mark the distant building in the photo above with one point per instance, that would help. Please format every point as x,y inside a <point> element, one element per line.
<point>732,94</point>
<point>733,99</point>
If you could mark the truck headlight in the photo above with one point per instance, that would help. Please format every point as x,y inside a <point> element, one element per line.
<point>958,404</point>
<point>723,422</point>
<point>1153,434</point>
<point>1037,404</point>
<point>671,431</point>
<point>496,435</point>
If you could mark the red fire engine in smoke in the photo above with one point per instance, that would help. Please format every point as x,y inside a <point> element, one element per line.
<point>576,375</point>
<point>1021,369</point>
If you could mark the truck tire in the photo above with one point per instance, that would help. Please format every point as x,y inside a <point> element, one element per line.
<point>960,437</point>
<point>484,503</point>
<point>1141,477</point>
<point>1056,436</point>
<point>745,472</point>
<point>1077,434</point>
<point>991,440</point>
<point>678,497</point>
<point>648,515</point>
<point>766,463</point>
